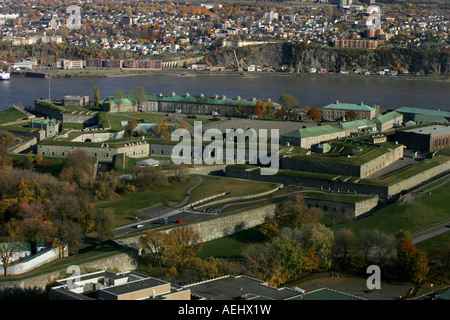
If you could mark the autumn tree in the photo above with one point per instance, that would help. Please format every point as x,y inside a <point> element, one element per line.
<point>104,186</point>
<point>139,95</point>
<point>183,244</point>
<point>258,109</point>
<point>154,244</point>
<point>178,172</point>
<point>104,224</point>
<point>276,261</point>
<point>280,113</point>
<point>161,128</point>
<point>319,239</point>
<point>194,270</point>
<point>119,95</point>
<point>293,212</point>
<point>96,97</point>
<point>148,178</point>
<point>384,246</point>
<point>267,109</point>
<point>344,246</point>
<point>5,158</point>
<point>66,235</point>
<point>365,240</point>
<point>77,168</point>
<point>7,250</point>
<point>412,263</point>
<point>313,114</point>
<point>288,101</point>
<point>34,227</point>
<point>131,128</point>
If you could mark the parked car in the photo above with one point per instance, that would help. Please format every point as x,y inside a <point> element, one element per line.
<point>179,221</point>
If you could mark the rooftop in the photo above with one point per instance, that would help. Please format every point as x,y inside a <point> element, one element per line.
<point>329,294</point>
<point>197,99</point>
<point>429,118</point>
<point>240,287</point>
<point>423,111</point>
<point>386,117</point>
<point>313,131</point>
<point>355,124</point>
<point>434,131</point>
<point>349,106</point>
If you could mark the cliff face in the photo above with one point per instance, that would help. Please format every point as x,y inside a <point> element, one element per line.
<point>304,57</point>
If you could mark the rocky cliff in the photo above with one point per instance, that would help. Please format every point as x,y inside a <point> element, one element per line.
<point>304,57</point>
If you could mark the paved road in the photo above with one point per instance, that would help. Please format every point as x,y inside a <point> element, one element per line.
<point>157,214</point>
<point>431,232</point>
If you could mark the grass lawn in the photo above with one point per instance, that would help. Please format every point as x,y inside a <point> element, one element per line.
<point>231,246</point>
<point>144,115</point>
<point>426,210</point>
<point>434,244</point>
<point>10,115</point>
<point>215,185</point>
<point>127,206</point>
<point>407,172</point>
<point>87,253</point>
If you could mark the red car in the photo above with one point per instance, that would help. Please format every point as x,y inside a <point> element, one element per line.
<point>179,221</point>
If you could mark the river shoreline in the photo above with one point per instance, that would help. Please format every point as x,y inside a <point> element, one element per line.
<point>194,73</point>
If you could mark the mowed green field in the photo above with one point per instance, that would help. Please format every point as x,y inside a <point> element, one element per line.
<point>126,206</point>
<point>213,185</point>
<point>419,213</point>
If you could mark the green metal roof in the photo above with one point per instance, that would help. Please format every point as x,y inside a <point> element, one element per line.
<point>386,117</point>
<point>123,100</point>
<point>313,131</point>
<point>323,146</point>
<point>349,106</point>
<point>355,124</point>
<point>423,111</point>
<point>194,99</point>
<point>429,118</point>
<point>45,121</point>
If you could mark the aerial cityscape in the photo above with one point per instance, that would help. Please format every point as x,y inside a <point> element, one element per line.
<point>243,152</point>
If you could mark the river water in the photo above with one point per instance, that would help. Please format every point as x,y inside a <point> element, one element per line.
<point>316,91</point>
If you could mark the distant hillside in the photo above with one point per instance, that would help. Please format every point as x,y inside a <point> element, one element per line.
<point>304,57</point>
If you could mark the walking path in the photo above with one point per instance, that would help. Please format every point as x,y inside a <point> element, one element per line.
<point>188,193</point>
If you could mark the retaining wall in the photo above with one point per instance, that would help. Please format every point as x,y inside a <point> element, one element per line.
<point>223,225</point>
<point>122,262</point>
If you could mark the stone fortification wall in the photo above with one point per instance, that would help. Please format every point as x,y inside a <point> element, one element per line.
<point>223,225</point>
<point>25,145</point>
<point>345,169</point>
<point>65,117</point>
<point>193,108</point>
<point>89,119</point>
<point>381,162</point>
<point>339,186</point>
<point>122,262</point>
<point>104,153</point>
<point>419,178</point>
<point>344,209</point>
<point>99,137</point>
<point>320,166</point>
